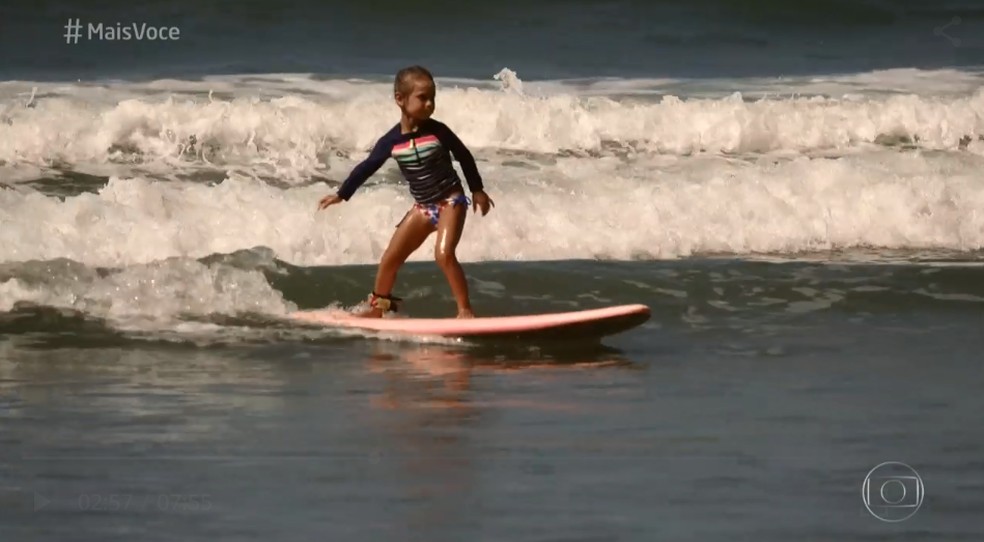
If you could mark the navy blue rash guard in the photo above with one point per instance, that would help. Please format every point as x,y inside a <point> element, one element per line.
<point>424,159</point>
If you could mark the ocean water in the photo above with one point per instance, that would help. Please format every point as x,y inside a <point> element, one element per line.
<point>795,190</point>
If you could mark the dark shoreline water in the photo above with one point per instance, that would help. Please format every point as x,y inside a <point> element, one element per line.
<point>704,438</point>
<point>711,422</point>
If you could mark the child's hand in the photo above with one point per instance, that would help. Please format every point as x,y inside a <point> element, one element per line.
<point>329,200</point>
<point>482,200</point>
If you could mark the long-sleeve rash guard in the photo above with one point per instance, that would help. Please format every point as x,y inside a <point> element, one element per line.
<point>424,159</point>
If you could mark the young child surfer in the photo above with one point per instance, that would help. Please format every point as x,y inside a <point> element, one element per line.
<point>422,148</point>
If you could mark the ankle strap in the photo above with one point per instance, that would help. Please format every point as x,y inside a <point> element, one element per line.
<point>387,303</point>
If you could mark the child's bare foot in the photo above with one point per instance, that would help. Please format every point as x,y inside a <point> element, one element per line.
<point>465,313</point>
<point>370,313</point>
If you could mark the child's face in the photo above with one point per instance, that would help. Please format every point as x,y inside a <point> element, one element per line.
<point>418,104</point>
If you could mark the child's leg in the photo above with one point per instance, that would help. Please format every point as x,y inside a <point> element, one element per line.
<point>408,237</point>
<point>449,228</point>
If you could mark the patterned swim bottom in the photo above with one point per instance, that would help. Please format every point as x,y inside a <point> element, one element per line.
<point>433,210</point>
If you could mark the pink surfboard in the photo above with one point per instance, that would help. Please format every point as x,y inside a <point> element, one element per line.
<point>578,324</point>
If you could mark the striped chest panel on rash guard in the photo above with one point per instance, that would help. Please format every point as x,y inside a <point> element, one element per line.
<point>426,164</point>
<point>424,158</point>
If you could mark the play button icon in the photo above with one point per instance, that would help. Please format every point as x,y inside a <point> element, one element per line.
<point>40,502</point>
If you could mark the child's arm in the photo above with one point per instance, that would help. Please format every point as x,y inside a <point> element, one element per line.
<point>462,154</point>
<point>365,169</point>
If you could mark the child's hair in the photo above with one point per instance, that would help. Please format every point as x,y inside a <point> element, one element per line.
<point>404,77</point>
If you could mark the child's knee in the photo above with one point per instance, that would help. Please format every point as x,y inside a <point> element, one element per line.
<point>445,257</point>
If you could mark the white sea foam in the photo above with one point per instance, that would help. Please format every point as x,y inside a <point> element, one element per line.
<point>291,127</point>
<point>572,207</point>
<point>141,296</point>
<point>576,173</point>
